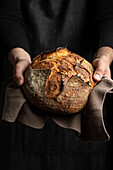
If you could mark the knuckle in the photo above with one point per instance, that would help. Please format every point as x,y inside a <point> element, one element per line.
<point>16,76</point>
<point>101,70</point>
<point>18,65</point>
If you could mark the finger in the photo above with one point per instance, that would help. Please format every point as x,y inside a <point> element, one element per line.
<point>107,73</point>
<point>19,81</point>
<point>100,69</point>
<point>19,69</point>
<point>97,75</point>
<point>18,76</point>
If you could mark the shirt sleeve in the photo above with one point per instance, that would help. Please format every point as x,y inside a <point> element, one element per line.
<point>12,26</point>
<point>103,23</point>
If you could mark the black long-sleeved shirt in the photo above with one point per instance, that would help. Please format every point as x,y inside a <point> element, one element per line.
<point>39,25</point>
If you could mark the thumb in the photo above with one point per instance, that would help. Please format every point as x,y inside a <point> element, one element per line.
<point>18,72</point>
<point>100,68</point>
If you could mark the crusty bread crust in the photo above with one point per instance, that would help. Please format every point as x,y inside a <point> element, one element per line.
<point>59,81</point>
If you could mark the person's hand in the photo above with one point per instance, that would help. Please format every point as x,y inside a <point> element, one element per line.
<point>20,59</point>
<point>102,61</point>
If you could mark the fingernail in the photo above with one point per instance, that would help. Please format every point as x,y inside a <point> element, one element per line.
<point>18,81</point>
<point>97,76</point>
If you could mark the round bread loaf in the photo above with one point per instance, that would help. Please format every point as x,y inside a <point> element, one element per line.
<point>59,81</point>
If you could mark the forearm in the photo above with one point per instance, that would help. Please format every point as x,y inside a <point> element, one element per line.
<point>12,27</point>
<point>103,23</point>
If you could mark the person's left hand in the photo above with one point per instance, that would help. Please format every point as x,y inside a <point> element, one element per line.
<point>102,60</point>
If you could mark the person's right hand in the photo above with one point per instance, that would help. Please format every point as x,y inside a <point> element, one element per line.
<point>20,59</point>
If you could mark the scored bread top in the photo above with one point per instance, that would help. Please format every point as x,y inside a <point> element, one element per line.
<point>65,62</point>
<point>59,81</point>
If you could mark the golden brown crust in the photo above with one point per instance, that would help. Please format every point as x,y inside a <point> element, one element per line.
<point>74,96</point>
<point>59,80</point>
<point>53,84</point>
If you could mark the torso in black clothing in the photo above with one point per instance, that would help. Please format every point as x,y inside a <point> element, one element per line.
<point>59,23</point>
<point>82,25</point>
<point>49,24</point>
